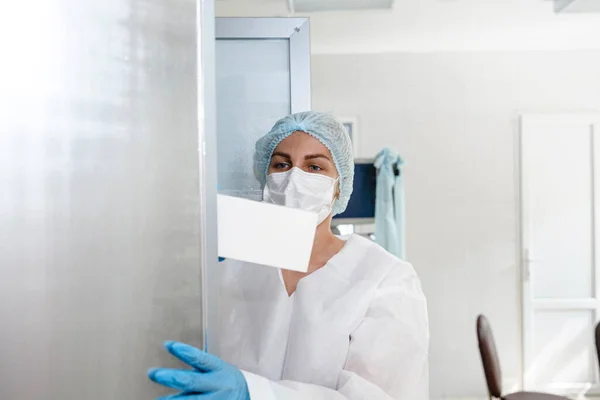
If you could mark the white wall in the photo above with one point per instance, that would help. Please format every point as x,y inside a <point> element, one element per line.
<point>453,117</point>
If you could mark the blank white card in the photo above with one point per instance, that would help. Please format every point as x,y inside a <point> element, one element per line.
<point>264,233</point>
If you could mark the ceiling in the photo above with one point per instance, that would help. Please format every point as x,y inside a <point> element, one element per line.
<point>438,25</point>
<point>580,6</point>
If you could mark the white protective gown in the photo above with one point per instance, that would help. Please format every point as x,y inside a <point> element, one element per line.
<point>355,329</point>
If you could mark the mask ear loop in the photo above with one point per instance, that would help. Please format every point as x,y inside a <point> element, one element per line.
<point>330,205</point>
<point>337,195</point>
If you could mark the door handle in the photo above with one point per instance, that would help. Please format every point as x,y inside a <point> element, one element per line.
<point>527,261</point>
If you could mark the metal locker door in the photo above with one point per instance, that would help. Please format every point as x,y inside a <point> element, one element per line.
<point>104,196</point>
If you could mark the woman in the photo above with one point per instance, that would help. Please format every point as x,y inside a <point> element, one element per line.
<point>354,327</point>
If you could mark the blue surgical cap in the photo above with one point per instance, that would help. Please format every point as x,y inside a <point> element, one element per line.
<point>322,127</point>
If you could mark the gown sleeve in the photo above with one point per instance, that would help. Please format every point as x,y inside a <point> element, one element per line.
<point>388,353</point>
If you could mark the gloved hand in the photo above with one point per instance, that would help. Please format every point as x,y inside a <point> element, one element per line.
<point>211,378</point>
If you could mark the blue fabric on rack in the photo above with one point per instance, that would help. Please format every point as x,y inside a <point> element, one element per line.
<point>389,203</point>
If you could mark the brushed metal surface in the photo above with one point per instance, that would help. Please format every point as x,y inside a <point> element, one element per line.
<point>99,195</point>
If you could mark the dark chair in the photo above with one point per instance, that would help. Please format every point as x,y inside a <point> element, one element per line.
<point>491,367</point>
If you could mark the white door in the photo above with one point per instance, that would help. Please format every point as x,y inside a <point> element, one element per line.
<point>560,180</point>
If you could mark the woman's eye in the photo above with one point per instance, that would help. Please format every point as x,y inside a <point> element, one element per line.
<point>280,165</point>
<point>315,168</point>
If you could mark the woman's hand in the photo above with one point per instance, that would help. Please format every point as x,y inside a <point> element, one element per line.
<point>211,378</point>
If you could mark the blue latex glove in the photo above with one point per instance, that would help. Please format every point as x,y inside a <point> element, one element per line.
<point>211,378</point>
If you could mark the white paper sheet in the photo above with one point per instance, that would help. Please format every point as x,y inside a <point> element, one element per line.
<point>264,233</point>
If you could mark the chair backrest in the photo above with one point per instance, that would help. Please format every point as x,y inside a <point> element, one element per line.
<point>598,341</point>
<point>489,357</point>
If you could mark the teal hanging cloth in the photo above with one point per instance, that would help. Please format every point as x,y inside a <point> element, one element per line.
<point>389,203</point>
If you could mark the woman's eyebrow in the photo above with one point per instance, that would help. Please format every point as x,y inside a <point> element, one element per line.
<point>280,154</point>
<point>313,156</point>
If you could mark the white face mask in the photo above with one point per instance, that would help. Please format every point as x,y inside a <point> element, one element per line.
<point>304,190</point>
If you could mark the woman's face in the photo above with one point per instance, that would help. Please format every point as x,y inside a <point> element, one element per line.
<point>303,151</point>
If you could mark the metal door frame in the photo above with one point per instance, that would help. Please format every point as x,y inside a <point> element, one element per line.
<point>207,149</point>
<point>297,32</point>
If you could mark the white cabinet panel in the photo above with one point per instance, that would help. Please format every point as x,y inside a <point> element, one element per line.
<point>564,350</point>
<point>560,210</point>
